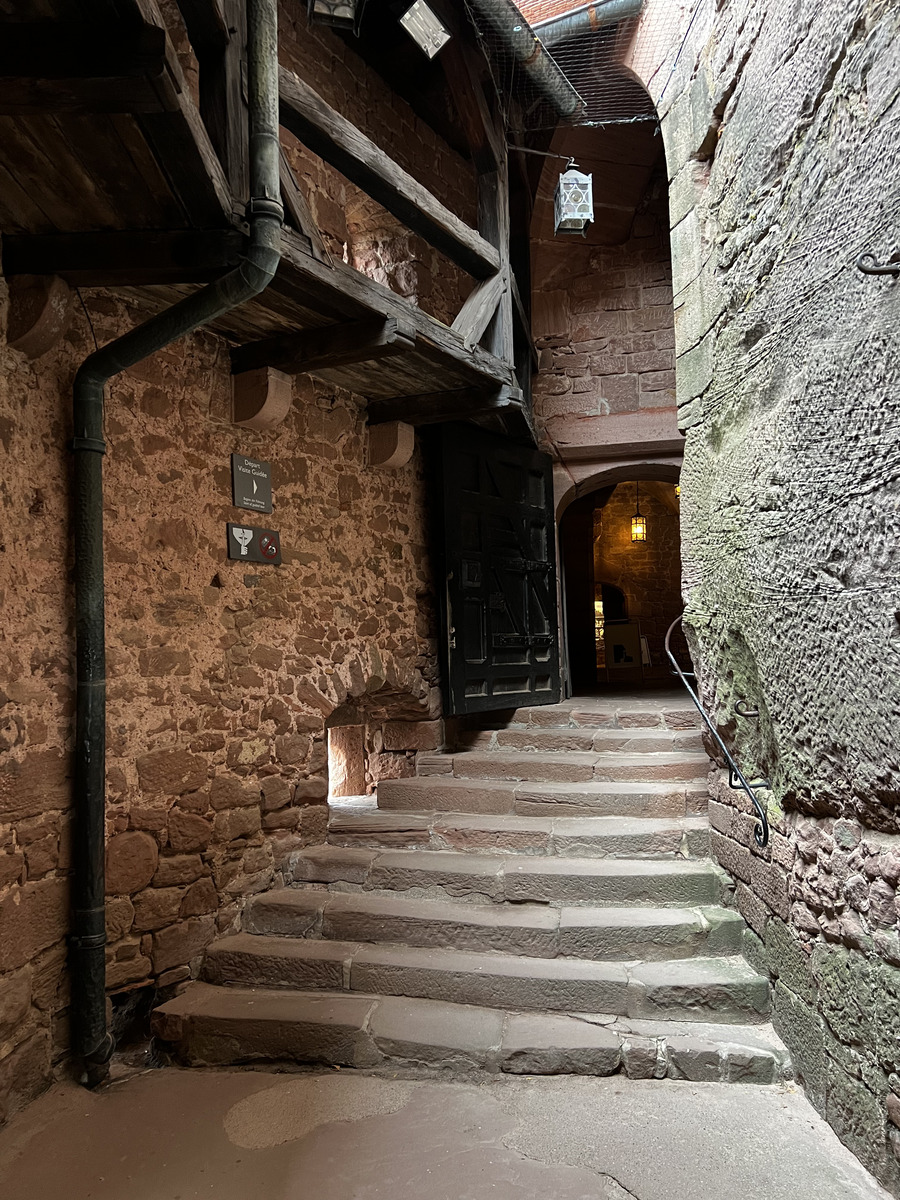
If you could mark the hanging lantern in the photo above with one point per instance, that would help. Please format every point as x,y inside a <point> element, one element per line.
<point>339,14</point>
<point>638,523</point>
<point>573,206</point>
<point>424,28</point>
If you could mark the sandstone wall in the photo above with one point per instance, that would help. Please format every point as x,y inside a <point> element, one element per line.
<point>222,677</point>
<point>782,130</point>
<point>603,323</point>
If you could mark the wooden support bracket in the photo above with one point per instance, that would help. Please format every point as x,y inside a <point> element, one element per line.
<point>333,346</point>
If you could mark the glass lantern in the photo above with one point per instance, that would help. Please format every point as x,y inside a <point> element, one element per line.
<point>638,522</point>
<point>340,14</point>
<point>574,202</point>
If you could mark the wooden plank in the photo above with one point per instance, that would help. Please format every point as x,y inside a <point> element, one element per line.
<point>186,156</point>
<point>435,407</point>
<point>206,26</point>
<point>108,259</point>
<point>222,100</point>
<point>493,221</point>
<point>523,320</point>
<point>478,310</point>
<point>296,208</point>
<point>345,147</point>
<point>334,346</point>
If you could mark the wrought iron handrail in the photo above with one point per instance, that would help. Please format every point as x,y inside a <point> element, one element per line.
<point>761,830</point>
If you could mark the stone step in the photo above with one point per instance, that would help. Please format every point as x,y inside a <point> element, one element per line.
<point>680,883</point>
<point>673,711</point>
<point>547,739</point>
<point>686,837</point>
<point>690,989</point>
<point>444,793</point>
<point>571,767</point>
<point>533,930</point>
<point>214,1026</point>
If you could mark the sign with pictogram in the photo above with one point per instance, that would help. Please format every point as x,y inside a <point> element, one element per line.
<point>249,544</point>
<point>251,483</point>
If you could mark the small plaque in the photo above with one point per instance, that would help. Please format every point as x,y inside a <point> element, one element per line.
<point>249,544</point>
<point>251,483</point>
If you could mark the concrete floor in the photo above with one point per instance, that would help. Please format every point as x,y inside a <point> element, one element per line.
<point>342,1135</point>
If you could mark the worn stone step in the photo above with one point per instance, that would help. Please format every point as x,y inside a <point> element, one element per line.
<point>546,739</point>
<point>510,834</point>
<point>517,878</point>
<point>532,930</point>
<point>571,767</point>
<point>661,710</point>
<point>215,1026</point>
<point>689,989</point>
<point>444,793</point>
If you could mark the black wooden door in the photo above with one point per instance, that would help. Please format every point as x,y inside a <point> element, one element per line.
<point>500,637</point>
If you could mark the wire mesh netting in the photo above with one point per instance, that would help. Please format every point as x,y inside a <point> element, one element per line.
<point>603,63</point>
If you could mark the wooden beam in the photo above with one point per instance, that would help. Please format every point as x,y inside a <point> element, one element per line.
<point>48,67</point>
<point>222,100</point>
<point>432,407</point>
<point>478,311</point>
<point>345,147</point>
<point>206,26</point>
<point>297,211</point>
<point>320,349</point>
<point>504,403</point>
<point>124,259</point>
<point>340,287</point>
<point>522,318</point>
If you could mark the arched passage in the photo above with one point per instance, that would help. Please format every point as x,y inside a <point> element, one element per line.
<point>620,594</point>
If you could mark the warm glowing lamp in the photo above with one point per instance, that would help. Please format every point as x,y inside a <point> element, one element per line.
<point>638,522</point>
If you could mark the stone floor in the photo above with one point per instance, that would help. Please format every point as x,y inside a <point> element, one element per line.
<point>350,1135</point>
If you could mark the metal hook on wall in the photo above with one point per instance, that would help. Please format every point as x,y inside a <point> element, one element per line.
<point>869,265</point>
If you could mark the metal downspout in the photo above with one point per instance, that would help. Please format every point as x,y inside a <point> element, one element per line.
<point>586,19</point>
<point>91,1036</point>
<point>520,40</point>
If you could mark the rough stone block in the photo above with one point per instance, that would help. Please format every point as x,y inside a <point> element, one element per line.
<point>800,1027</point>
<point>428,1031</point>
<point>188,831</point>
<point>172,772</point>
<point>178,944</point>
<point>32,918</point>
<point>542,1044</point>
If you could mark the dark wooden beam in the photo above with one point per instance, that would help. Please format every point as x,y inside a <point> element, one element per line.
<point>222,99</point>
<point>49,67</point>
<point>130,259</point>
<point>320,349</point>
<point>431,408</point>
<point>297,211</point>
<point>345,147</point>
<point>340,287</point>
<point>479,309</point>
<point>206,26</point>
<point>504,403</point>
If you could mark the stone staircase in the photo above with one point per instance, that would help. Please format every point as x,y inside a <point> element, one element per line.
<point>541,900</point>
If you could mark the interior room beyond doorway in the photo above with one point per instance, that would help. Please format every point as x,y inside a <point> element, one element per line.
<point>621,567</point>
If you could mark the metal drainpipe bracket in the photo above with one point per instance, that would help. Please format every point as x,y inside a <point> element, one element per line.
<point>869,265</point>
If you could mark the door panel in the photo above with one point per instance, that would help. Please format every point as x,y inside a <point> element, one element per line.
<point>499,635</point>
